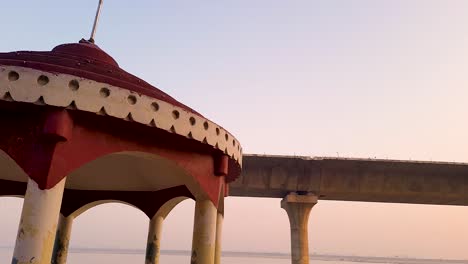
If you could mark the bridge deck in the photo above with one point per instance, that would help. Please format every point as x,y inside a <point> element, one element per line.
<point>345,179</point>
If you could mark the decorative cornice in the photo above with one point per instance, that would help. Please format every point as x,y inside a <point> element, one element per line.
<point>28,85</point>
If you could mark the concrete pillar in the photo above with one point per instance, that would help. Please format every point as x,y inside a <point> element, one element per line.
<point>204,233</point>
<point>154,240</point>
<point>298,208</point>
<point>62,240</point>
<point>38,225</point>
<point>219,231</point>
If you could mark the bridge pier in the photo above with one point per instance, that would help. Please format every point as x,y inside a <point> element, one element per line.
<point>298,208</point>
<point>62,240</point>
<point>204,233</point>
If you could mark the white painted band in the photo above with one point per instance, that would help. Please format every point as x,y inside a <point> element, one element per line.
<point>28,85</point>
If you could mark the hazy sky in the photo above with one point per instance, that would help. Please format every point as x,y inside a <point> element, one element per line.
<point>385,79</point>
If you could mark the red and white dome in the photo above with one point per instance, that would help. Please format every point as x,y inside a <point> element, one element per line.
<point>82,77</point>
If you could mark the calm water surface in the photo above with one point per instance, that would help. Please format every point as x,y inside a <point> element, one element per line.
<point>168,259</point>
<point>99,258</point>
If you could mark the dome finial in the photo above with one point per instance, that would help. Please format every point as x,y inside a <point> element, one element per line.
<point>96,19</point>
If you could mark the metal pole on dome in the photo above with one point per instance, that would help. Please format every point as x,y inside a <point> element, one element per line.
<point>96,20</point>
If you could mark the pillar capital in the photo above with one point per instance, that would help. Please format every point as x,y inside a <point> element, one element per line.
<point>293,197</point>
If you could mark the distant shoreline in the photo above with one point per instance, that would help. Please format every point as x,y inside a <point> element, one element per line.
<point>322,257</point>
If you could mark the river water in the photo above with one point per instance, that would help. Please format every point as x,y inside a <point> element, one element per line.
<point>171,259</point>
<point>117,258</point>
<point>122,257</point>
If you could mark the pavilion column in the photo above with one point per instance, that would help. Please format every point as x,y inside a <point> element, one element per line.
<point>62,240</point>
<point>204,233</point>
<point>154,240</point>
<point>219,230</point>
<point>38,225</point>
<point>298,208</point>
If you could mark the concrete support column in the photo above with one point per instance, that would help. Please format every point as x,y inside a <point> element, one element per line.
<point>62,240</point>
<point>298,208</point>
<point>204,233</point>
<point>38,225</point>
<point>219,231</point>
<point>154,240</point>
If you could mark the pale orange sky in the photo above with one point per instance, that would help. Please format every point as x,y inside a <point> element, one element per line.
<point>361,78</point>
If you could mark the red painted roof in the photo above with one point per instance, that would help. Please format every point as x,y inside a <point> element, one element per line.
<point>86,60</point>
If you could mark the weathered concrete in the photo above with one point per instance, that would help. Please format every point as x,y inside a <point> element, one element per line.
<point>366,180</point>
<point>204,233</point>
<point>219,231</point>
<point>298,208</point>
<point>154,240</point>
<point>62,240</point>
<point>38,225</point>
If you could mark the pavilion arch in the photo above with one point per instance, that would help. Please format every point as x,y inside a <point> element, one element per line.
<point>168,206</point>
<point>91,205</point>
<point>95,214</point>
<point>132,171</point>
<point>163,211</point>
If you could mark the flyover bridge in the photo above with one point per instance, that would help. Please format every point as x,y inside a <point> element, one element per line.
<point>302,181</point>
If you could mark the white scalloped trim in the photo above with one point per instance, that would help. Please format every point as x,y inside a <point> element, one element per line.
<point>29,85</point>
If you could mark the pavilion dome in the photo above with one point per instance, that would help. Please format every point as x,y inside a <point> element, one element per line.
<point>85,59</point>
<point>81,76</point>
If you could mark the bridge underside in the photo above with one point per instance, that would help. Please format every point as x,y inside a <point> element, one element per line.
<point>364,180</point>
